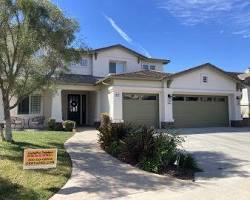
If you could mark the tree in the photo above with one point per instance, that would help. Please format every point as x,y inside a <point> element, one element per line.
<point>36,41</point>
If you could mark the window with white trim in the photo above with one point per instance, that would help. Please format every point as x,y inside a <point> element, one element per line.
<point>84,62</point>
<point>204,78</point>
<point>30,105</point>
<point>116,67</point>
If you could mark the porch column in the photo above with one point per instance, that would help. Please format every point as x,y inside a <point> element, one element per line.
<point>98,106</point>
<point>115,102</point>
<point>167,108</point>
<point>56,109</point>
<point>234,103</point>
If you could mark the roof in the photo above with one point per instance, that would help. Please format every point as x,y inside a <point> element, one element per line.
<point>236,75</point>
<point>230,75</point>
<point>149,75</point>
<point>164,61</point>
<point>77,79</point>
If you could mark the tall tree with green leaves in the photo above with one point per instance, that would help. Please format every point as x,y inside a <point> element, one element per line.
<point>36,41</point>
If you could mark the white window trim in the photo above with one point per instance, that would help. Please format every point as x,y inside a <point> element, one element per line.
<point>87,62</point>
<point>202,78</point>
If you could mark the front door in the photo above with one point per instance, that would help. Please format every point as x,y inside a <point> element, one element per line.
<point>74,108</point>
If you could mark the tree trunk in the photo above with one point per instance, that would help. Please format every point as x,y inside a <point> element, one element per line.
<point>8,130</point>
<point>1,133</point>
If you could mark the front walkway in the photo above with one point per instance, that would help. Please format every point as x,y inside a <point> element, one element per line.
<point>222,153</point>
<point>97,175</point>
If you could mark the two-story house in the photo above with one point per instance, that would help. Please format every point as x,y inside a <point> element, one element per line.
<point>134,88</point>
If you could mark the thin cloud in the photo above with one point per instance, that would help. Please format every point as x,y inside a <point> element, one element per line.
<point>125,36</point>
<point>118,29</point>
<point>233,14</point>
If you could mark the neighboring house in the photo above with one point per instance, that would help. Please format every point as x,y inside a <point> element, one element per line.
<point>134,88</point>
<point>245,101</point>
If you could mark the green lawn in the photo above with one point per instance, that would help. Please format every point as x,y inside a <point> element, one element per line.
<point>16,183</point>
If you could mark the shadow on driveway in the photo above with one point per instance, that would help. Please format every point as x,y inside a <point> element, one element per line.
<point>220,165</point>
<point>97,173</point>
<point>213,130</point>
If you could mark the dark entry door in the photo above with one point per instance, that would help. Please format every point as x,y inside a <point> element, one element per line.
<point>74,107</point>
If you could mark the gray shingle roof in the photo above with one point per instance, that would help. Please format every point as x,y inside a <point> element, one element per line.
<point>77,79</point>
<point>143,74</point>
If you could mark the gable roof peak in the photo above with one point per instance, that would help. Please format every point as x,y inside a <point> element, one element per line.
<point>139,55</point>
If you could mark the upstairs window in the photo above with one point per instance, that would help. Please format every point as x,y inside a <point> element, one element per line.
<point>152,67</point>
<point>204,78</point>
<point>30,105</point>
<point>145,67</point>
<point>116,67</point>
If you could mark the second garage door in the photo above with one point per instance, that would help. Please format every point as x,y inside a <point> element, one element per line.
<point>141,109</point>
<point>200,111</point>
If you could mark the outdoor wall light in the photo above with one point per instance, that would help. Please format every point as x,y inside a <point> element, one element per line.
<point>170,98</point>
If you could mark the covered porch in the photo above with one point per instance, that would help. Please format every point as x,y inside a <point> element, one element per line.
<point>76,103</point>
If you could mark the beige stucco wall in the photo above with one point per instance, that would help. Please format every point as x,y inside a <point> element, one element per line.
<point>78,69</point>
<point>218,84</point>
<point>216,81</point>
<point>92,112</point>
<point>101,63</point>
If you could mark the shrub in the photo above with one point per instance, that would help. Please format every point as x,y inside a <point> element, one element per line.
<point>68,125</point>
<point>151,164</point>
<point>51,124</point>
<point>105,131</point>
<point>58,126</point>
<point>114,148</point>
<point>188,162</point>
<point>109,132</point>
<point>166,146</point>
<point>139,145</point>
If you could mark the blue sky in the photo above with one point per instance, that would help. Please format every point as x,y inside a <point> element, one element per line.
<point>188,32</point>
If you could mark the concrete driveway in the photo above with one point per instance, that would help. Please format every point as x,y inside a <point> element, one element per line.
<point>223,154</point>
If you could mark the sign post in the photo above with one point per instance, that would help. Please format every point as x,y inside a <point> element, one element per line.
<point>39,158</point>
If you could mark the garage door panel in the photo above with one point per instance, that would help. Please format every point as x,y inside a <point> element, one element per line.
<point>201,113</point>
<point>142,110</point>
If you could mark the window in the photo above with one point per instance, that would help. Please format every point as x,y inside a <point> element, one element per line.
<point>192,98</point>
<point>149,97</point>
<point>220,99</point>
<point>116,67</point>
<point>35,104</point>
<point>131,97</point>
<point>145,67</point>
<point>84,62</point>
<point>204,78</point>
<point>152,67</point>
<point>209,99</point>
<point>178,98</point>
<point>30,105</point>
<point>23,106</point>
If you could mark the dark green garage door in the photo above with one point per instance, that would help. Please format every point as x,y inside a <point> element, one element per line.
<point>141,109</point>
<point>200,111</point>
